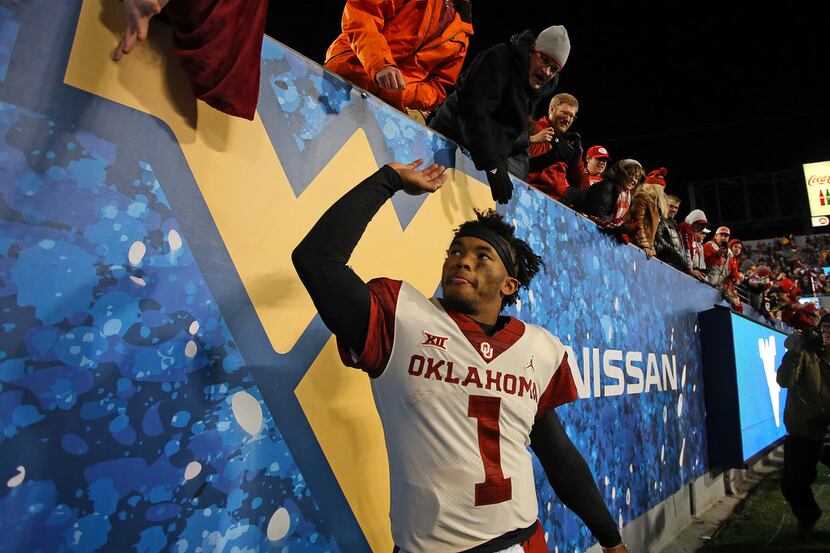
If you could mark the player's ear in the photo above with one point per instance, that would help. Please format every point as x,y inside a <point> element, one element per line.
<point>510,286</point>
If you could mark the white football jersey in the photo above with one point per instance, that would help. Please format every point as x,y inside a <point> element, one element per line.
<point>457,408</point>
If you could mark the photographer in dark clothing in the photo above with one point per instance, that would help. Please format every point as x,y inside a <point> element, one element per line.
<point>489,111</point>
<point>805,370</point>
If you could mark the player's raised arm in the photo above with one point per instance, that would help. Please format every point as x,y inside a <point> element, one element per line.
<point>340,296</point>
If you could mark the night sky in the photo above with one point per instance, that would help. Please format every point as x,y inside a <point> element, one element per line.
<point>708,92</point>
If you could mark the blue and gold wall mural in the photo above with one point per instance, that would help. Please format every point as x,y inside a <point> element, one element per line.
<point>165,382</point>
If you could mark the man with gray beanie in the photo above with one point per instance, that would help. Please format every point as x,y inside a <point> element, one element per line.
<point>489,110</point>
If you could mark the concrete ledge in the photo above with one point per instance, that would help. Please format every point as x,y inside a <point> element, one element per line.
<point>659,526</point>
<point>706,490</point>
<point>686,520</point>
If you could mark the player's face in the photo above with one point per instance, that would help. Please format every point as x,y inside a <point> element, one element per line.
<point>474,279</point>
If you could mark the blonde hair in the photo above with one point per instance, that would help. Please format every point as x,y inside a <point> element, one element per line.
<point>563,98</point>
<point>657,192</point>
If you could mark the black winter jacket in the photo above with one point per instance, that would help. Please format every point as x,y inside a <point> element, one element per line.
<point>665,247</point>
<point>489,110</point>
<point>601,200</point>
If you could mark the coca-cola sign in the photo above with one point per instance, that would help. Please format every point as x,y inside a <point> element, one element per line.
<point>816,180</point>
<point>817,183</point>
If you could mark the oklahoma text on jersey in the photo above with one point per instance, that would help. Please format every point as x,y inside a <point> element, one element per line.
<point>438,369</point>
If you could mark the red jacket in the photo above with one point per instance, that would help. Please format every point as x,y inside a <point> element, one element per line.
<point>401,33</point>
<point>555,179</point>
<point>711,252</point>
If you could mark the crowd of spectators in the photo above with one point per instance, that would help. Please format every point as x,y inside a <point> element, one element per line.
<point>410,54</point>
<point>778,273</point>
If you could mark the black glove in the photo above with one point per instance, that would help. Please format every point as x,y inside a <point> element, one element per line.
<point>568,147</point>
<point>500,185</point>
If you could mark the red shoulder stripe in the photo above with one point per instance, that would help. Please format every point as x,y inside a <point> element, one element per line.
<point>561,390</point>
<point>383,297</point>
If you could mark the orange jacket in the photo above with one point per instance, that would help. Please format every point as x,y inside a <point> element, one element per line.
<point>383,33</point>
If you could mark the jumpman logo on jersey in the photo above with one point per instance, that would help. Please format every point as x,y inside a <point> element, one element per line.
<point>435,341</point>
<point>530,366</point>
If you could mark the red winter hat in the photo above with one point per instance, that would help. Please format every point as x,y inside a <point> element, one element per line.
<point>658,176</point>
<point>733,242</point>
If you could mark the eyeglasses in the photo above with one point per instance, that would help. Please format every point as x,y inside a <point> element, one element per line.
<point>547,61</point>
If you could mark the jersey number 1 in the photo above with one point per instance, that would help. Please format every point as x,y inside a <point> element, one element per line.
<point>495,488</point>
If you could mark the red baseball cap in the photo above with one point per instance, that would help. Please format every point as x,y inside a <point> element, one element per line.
<point>597,151</point>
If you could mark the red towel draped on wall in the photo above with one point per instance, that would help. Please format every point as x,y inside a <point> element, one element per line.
<point>219,44</point>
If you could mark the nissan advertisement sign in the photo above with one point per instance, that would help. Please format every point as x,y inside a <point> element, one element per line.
<point>817,178</point>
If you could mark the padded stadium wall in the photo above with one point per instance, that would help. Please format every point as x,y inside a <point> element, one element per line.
<point>165,382</point>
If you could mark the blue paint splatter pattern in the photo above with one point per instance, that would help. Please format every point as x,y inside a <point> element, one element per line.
<point>114,357</point>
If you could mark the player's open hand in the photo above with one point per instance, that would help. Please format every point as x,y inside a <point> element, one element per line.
<point>415,181</point>
<point>139,13</point>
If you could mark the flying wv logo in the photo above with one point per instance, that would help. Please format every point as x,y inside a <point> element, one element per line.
<point>766,349</point>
